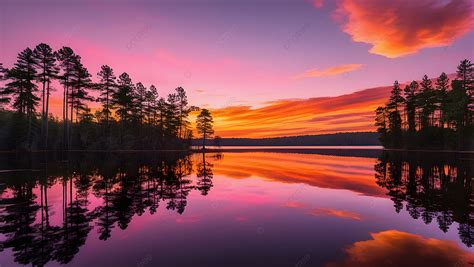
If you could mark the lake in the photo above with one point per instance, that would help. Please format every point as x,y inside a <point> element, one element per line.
<point>287,207</point>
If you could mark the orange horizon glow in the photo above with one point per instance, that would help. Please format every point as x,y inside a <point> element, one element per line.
<point>323,115</point>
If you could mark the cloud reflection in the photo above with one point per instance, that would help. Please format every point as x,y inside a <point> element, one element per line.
<point>395,248</point>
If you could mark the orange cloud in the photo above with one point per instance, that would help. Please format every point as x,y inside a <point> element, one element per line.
<point>336,70</point>
<point>395,248</point>
<point>399,28</point>
<point>351,112</point>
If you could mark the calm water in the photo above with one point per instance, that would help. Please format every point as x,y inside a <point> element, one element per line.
<point>294,208</point>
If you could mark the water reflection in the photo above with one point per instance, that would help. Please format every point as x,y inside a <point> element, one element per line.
<point>312,205</point>
<point>122,186</point>
<point>431,187</point>
<point>391,248</point>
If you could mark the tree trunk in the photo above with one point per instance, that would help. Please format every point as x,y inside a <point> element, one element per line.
<point>43,107</point>
<point>72,118</point>
<point>65,115</point>
<point>46,119</point>
<point>204,141</point>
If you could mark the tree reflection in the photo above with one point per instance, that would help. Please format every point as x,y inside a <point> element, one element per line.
<point>431,187</point>
<point>124,186</point>
<point>205,175</point>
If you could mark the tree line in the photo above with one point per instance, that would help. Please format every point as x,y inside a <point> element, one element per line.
<point>427,114</point>
<point>131,115</point>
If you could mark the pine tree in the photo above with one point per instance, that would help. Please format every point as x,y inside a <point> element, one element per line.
<point>394,118</point>
<point>67,61</point>
<point>151,105</point>
<point>107,88</point>
<point>465,75</point>
<point>171,112</point>
<point>123,98</point>
<point>140,98</point>
<point>442,86</point>
<point>411,92</point>
<point>22,85</point>
<point>381,123</point>
<point>204,125</point>
<point>427,102</point>
<point>47,72</point>
<point>5,92</point>
<point>81,83</point>
<point>457,102</point>
<point>23,88</point>
<point>183,110</point>
<point>162,108</point>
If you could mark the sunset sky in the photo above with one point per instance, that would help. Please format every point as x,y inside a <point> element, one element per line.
<point>264,68</point>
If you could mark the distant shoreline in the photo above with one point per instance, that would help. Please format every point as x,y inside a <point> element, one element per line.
<point>251,148</point>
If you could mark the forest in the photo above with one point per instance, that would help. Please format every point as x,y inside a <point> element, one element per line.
<point>131,116</point>
<point>430,114</point>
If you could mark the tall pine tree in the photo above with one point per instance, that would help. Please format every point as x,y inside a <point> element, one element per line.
<point>47,72</point>
<point>107,87</point>
<point>67,61</point>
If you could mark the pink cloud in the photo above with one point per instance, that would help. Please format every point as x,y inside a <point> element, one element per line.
<point>318,3</point>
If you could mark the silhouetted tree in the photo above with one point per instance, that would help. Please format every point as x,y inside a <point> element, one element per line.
<point>381,122</point>
<point>21,83</point>
<point>151,105</point>
<point>184,110</point>
<point>81,83</point>
<point>67,62</point>
<point>5,92</point>
<point>47,72</point>
<point>22,77</point>
<point>457,102</point>
<point>204,125</point>
<point>140,98</point>
<point>426,100</point>
<point>123,100</point>
<point>171,112</point>
<point>394,117</point>
<point>107,87</point>
<point>442,86</point>
<point>465,74</point>
<point>411,92</point>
